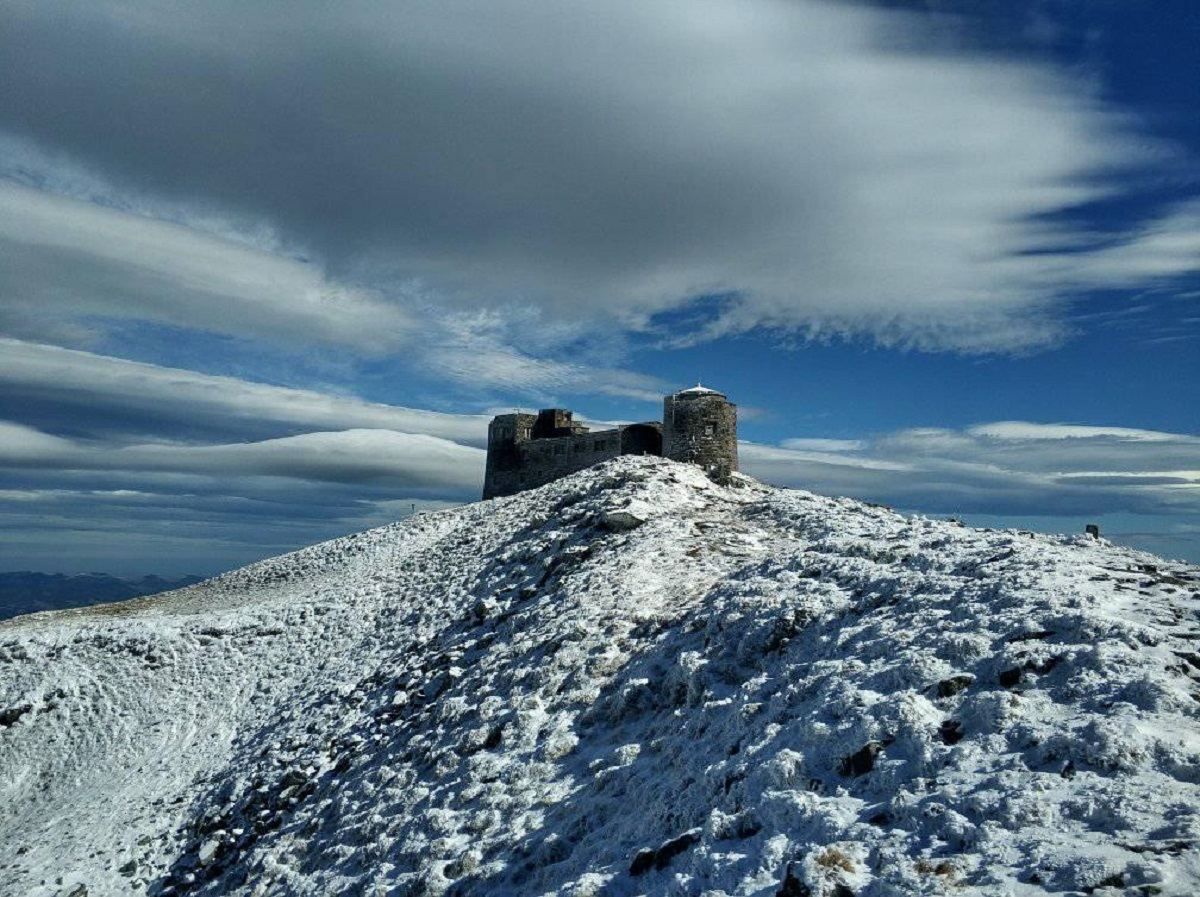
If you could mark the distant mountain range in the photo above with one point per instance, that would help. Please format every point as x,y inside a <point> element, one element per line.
<point>24,592</point>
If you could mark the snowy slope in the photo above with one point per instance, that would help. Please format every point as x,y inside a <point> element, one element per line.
<point>632,681</point>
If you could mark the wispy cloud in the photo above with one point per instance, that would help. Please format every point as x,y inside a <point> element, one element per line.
<point>1002,468</point>
<point>511,349</point>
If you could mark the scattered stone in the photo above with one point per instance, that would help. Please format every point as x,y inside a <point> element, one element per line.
<point>208,851</point>
<point>128,869</point>
<point>621,520</point>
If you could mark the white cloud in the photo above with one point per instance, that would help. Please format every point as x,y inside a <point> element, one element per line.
<point>821,162</point>
<point>72,259</point>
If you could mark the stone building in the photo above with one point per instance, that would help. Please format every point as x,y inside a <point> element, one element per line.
<point>699,426</point>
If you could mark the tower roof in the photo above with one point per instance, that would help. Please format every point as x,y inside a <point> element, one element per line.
<point>698,390</point>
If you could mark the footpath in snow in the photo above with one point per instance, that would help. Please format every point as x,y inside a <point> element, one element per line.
<point>631,681</point>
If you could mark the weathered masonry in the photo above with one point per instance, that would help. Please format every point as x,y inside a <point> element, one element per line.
<point>699,426</point>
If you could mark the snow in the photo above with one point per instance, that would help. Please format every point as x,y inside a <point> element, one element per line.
<point>631,681</point>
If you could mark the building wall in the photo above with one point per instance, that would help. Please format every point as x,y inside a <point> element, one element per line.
<point>506,433</point>
<point>534,462</point>
<point>701,428</point>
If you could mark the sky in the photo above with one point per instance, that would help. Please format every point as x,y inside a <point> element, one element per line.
<point>267,270</point>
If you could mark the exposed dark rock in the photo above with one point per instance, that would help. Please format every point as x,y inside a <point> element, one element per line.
<point>1046,665</point>
<point>643,861</point>
<point>951,731</point>
<point>647,859</point>
<point>1031,636</point>
<point>747,826</point>
<point>493,738</point>
<point>10,715</point>
<point>1116,880</point>
<point>673,848</point>
<point>1170,848</point>
<point>1190,657</point>
<point>948,688</point>
<point>1009,678</point>
<point>861,761</point>
<point>792,886</point>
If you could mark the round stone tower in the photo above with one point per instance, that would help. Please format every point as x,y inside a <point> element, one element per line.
<point>700,427</point>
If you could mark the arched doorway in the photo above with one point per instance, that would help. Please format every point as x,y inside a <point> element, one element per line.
<point>641,439</point>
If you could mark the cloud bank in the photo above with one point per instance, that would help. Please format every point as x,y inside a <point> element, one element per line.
<point>146,461</point>
<point>98,395</point>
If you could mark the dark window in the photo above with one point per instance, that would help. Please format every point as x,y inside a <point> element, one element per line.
<point>710,429</point>
<point>599,445</point>
<point>558,450</point>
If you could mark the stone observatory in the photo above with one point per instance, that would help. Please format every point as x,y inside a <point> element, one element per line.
<point>699,426</point>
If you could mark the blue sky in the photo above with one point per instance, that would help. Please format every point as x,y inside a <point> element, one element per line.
<point>263,279</point>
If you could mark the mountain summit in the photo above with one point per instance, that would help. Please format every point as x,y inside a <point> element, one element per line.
<point>629,681</point>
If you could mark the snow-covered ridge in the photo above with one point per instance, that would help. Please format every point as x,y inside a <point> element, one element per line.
<point>630,681</point>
